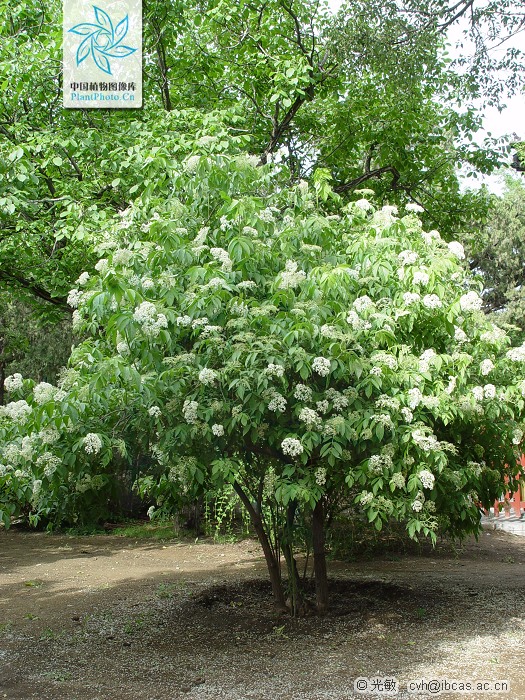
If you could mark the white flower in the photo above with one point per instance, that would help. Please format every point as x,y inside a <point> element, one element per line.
<point>154,411</point>
<point>247,284</point>
<point>427,479</point>
<point>420,277</point>
<point>478,393</point>
<point>44,392</point>
<point>408,257</point>
<point>274,370</point>
<point>412,206</point>
<point>517,436</point>
<point>277,403</point>
<point>92,443</point>
<point>302,392</point>
<point>451,384</point>
<point>14,382</point>
<point>151,321</point>
<point>362,303</point>
<point>407,415</point>
<point>470,302</point>
<point>122,348</point>
<point>417,506</point>
<point>459,335</point>
<point>414,397</point>
<point>517,354</point>
<point>310,417</point>
<point>322,366</point>
<point>291,277</point>
<point>266,215</point>
<point>376,371</point>
<point>37,486</point>
<point>292,447</point>
<point>366,498</point>
<point>494,336</point>
<point>432,301</point>
<point>18,411</point>
<point>82,280</point>
<point>183,320</point>
<point>217,429</point>
<point>390,210</point>
<point>122,256</point>
<point>320,476</point>
<point>191,164</point>
<point>207,376</point>
<point>303,187</point>
<point>489,391</point>
<point>223,257</point>
<point>189,411</point>
<point>457,250</point>
<point>147,283</point>
<point>74,297</point>
<point>486,367</point>
<point>225,223</point>
<point>411,298</point>
<point>398,480</point>
<point>150,512</point>
<point>363,204</point>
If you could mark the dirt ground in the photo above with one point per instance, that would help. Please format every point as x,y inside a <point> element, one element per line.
<point>108,618</point>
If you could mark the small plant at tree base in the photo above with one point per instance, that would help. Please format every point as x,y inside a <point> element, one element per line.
<point>309,355</point>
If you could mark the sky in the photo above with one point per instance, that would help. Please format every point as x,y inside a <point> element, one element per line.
<point>509,121</point>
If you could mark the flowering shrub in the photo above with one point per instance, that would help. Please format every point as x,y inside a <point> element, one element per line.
<point>303,356</point>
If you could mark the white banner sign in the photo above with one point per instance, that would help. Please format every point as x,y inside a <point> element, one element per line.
<point>102,50</point>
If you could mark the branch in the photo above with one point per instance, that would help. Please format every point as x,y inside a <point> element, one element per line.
<point>352,184</point>
<point>35,289</point>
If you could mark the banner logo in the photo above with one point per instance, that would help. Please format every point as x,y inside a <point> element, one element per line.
<point>102,54</point>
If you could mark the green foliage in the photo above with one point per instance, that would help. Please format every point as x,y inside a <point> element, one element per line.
<point>497,254</point>
<point>241,335</point>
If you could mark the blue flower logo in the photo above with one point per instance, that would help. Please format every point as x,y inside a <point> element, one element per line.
<point>102,40</point>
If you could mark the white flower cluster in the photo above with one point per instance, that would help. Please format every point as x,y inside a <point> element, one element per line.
<point>486,367</point>
<point>385,358</point>
<point>412,206</point>
<point>379,463</point>
<point>489,391</point>
<point>320,476</point>
<point>183,320</point>
<point>432,301</point>
<point>14,382</point>
<point>122,348</point>
<point>517,436</point>
<point>420,277</point>
<point>266,215</point>
<point>217,429</point>
<point>425,359</point>
<point>427,478</point>
<point>363,204</point>
<point>74,297</point>
<point>191,164</point>
<point>207,376</point>
<point>122,257</point>
<point>430,236</point>
<point>151,321</point>
<point>459,335</point>
<point>92,443</point>
<point>292,447</point>
<point>407,414</point>
<point>363,303</point>
<point>247,284</point>
<point>358,324</point>
<point>291,277</point>
<point>398,480</point>
<point>274,370</point>
<point>223,257</point>
<point>417,506</point>
<point>225,223</point>
<point>366,498</point>
<point>494,336</point>
<point>322,406</point>
<point>83,279</point>
<point>189,411</point>
<point>517,354</point>
<point>410,298</point>
<point>302,392</point>
<point>457,249</point>
<point>470,302</point>
<point>154,411</point>
<point>390,210</point>
<point>311,418</point>
<point>151,509</point>
<point>321,365</point>
<point>44,392</point>
<point>427,443</point>
<point>277,403</point>
<point>407,257</point>
<point>414,397</point>
<point>48,436</point>
<point>339,401</point>
<point>452,381</point>
<point>102,266</point>
<point>477,391</point>
<point>330,332</point>
<point>18,411</point>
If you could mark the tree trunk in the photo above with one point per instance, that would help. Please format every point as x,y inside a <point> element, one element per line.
<point>318,542</point>
<point>274,570</point>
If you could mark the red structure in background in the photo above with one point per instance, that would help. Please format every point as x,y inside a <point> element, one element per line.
<point>514,501</point>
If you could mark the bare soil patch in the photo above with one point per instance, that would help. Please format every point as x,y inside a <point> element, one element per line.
<point>106,618</point>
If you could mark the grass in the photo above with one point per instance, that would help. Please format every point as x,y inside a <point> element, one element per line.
<point>148,531</point>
